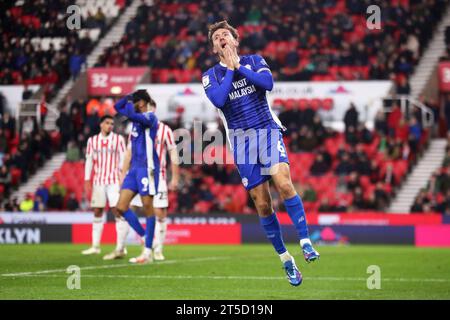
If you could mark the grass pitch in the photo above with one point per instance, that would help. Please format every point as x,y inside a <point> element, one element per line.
<point>224,272</point>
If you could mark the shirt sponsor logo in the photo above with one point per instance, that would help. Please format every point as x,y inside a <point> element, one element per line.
<point>205,81</point>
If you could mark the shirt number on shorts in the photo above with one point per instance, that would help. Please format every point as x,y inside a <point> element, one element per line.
<point>281,148</point>
<point>162,195</point>
<point>144,182</point>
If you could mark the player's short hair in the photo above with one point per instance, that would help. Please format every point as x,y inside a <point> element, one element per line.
<point>141,94</point>
<point>221,25</point>
<point>105,117</point>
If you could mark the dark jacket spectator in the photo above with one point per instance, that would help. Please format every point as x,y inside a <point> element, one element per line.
<point>351,117</point>
<point>319,167</point>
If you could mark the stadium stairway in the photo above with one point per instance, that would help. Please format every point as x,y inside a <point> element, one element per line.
<point>430,58</point>
<point>40,176</point>
<point>114,35</point>
<point>419,177</point>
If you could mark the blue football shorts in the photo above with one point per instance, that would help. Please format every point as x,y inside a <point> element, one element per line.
<point>255,152</point>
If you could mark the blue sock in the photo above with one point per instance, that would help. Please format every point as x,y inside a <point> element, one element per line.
<point>294,207</point>
<point>273,231</point>
<point>133,221</point>
<point>149,231</point>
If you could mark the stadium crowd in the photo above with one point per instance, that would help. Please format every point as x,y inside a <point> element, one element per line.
<point>305,40</point>
<point>24,59</point>
<point>436,196</point>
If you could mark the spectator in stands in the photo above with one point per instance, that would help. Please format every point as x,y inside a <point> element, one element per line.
<point>5,180</point>
<point>381,125</point>
<point>364,135</point>
<point>325,206</point>
<point>77,121</point>
<point>318,129</point>
<point>292,118</point>
<point>403,86</point>
<point>444,206</point>
<point>12,205</point>
<point>353,181</point>
<point>42,194</point>
<point>344,167</point>
<point>402,130</point>
<point>326,155</point>
<point>308,141</point>
<point>393,119</point>
<point>394,149</point>
<point>358,203</point>
<point>8,124</point>
<point>205,194</point>
<point>319,167</point>
<point>28,126</point>
<point>72,202</point>
<point>443,180</point>
<point>64,124</point>
<point>76,62</point>
<point>363,165</point>
<point>415,129</point>
<point>351,117</point>
<point>2,104</point>
<point>185,203</point>
<point>57,193</point>
<point>309,194</point>
<point>294,144</point>
<point>73,152</point>
<point>27,204</point>
<point>39,205</point>
<point>381,197</point>
<point>3,142</point>
<point>418,204</point>
<point>351,136</point>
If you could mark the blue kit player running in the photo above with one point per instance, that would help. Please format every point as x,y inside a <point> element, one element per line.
<point>237,87</point>
<point>143,174</point>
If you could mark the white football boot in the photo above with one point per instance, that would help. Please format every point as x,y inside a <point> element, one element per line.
<point>90,251</point>
<point>145,257</point>
<point>116,254</point>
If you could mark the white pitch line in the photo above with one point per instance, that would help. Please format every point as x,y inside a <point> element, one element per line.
<point>265,278</point>
<point>108,266</point>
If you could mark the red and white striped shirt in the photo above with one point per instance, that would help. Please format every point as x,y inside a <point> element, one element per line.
<point>164,141</point>
<point>105,155</point>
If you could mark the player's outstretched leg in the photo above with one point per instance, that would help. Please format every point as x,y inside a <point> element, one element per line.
<point>295,209</point>
<point>146,256</point>
<point>271,226</point>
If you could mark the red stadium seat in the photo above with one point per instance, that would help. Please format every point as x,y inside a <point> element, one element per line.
<point>316,104</point>
<point>327,104</point>
<point>290,103</point>
<point>303,103</point>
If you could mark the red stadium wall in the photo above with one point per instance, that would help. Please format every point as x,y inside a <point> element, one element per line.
<point>422,230</point>
<point>177,234</point>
